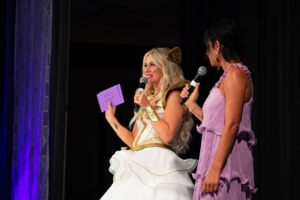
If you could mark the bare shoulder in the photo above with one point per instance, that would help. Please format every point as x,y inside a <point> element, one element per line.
<point>173,100</point>
<point>173,108</point>
<point>236,75</point>
<point>174,96</point>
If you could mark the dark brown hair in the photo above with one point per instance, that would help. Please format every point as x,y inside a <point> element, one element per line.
<point>229,35</point>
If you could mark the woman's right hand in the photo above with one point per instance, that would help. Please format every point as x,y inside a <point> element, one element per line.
<point>192,98</point>
<point>110,114</point>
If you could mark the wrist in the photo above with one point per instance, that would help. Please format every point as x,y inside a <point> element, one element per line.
<point>216,168</point>
<point>147,105</point>
<point>191,105</point>
<point>113,121</point>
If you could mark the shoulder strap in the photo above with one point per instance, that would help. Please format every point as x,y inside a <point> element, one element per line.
<point>239,65</point>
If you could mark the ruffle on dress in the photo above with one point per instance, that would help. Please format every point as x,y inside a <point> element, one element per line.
<point>158,173</point>
<point>238,166</point>
<point>251,136</point>
<point>239,65</point>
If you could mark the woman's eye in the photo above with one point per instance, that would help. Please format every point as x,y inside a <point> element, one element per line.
<point>152,64</point>
<point>145,65</point>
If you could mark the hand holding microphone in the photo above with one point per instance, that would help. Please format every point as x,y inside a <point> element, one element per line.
<point>189,97</point>
<point>189,89</point>
<point>140,97</point>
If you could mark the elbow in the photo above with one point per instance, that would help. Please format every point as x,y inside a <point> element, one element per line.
<point>233,128</point>
<point>168,138</point>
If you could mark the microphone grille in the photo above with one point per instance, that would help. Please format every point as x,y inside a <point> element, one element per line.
<point>202,70</point>
<point>143,80</point>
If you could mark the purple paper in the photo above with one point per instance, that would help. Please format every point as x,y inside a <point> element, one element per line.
<point>113,94</point>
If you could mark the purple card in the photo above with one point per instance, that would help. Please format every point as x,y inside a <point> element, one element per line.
<point>113,94</point>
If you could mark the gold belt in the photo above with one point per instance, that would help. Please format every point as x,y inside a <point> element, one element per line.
<point>143,146</point>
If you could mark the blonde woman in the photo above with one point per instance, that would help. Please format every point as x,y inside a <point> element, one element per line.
<point>151,169</point>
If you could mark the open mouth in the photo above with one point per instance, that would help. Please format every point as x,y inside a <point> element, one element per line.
<point>149,76</point>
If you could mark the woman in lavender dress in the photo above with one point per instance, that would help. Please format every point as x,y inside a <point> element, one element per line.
<point>225,169</point>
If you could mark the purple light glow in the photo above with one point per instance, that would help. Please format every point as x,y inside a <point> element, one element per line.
<point>31,100</point>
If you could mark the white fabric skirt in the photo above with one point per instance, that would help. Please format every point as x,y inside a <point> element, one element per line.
<point>152,173</point>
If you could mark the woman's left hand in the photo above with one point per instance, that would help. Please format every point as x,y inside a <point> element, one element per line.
<point>141,99</point>
<point>211,181</point>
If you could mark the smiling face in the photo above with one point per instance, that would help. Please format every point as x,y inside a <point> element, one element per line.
<point>152,72</point>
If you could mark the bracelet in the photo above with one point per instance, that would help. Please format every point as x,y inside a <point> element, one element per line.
<point>193,109</point>
<point>151,113</point>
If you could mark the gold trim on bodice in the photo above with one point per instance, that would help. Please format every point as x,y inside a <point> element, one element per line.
<point>154,141</point>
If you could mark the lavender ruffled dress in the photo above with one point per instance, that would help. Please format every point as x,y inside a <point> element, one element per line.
<point>237,177</point>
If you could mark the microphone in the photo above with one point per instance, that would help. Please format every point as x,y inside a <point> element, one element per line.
<point>143,82</point>
<point>201,72</point>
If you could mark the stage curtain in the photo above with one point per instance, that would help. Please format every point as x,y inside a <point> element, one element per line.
<point>30,164</point>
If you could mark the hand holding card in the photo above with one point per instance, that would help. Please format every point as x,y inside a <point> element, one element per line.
<point>113,94</point>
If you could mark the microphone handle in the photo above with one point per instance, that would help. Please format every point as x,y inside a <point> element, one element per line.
<point>190,90</point>
<point>136,107</point>
<point>141,89</point>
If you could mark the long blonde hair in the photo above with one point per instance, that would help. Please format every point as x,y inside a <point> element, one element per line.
<point>172,73</point>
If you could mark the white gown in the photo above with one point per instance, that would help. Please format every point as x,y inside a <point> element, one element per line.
<point>151,169</point>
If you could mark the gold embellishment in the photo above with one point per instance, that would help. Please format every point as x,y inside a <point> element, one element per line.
<point>139,177</point>
<point>157,184</point>
<point>122,174</point>
<point>155,139</point>
<point>141,133</point>
<point>152,97</point>
<point>151,114</point>
<point>149,133</point>
<point>115,127</point>
<point>177,86</point>
<point>179,170</point>
<point>155,109</point>
<point>140,116</point>
<point>143,146</point>
<point>174,55</point>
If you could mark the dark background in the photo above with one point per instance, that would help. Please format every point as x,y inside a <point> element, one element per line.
<point>107,42</point>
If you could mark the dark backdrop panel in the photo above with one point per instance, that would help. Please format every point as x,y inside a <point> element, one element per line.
<point>58,98</point>
<point>271,38</point>
<point>6,95</point>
